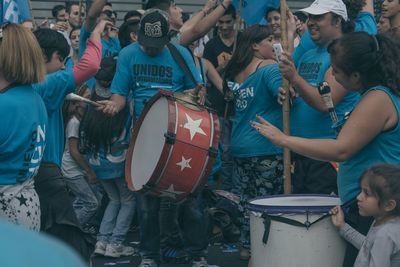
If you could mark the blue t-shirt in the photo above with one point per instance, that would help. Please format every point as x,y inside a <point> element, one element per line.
<point>23,134</point>
<point>111,165</point>
<point>144,74</point>
<point>53,91</point>
<point>22,247</point>
<point>109,48</point>
<point>365,22</point>
<point>305,121</point>
<point>384,148</point>
<point>256,95</point>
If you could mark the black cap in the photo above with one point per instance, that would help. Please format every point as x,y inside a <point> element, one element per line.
<point>154,28</point>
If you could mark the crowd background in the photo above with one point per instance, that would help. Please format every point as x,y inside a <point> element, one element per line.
<point>63,173</point>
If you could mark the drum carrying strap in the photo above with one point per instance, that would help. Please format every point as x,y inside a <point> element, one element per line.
<point>268,218</point>
<point>182,63</point>
<point>307,224</point>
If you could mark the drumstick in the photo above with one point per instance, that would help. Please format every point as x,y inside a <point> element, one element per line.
<point>75,97</point>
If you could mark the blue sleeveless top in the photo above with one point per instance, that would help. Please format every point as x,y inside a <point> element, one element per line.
<point>384,148</point>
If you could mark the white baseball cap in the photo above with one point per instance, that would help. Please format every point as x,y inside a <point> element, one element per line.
<point>320,7</point>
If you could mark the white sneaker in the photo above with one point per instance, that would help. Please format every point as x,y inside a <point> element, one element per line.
<point>116,251</point>
<point>100,248</point>
<point>201,262</point>
<point>148,263</point>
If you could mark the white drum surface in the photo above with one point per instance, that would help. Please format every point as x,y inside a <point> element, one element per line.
<point>293,246</point>
<point>149,143</point>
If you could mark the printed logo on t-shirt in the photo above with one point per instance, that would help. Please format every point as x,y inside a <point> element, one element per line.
<point>152,73</point>
<point>33,155</point>
<point>310,71</point>
<point>242,95</point>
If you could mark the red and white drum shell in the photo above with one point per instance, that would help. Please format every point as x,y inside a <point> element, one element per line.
<point>173,148</point>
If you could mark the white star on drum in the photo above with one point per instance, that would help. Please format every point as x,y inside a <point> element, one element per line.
<point>170,192</point>
<point>184,163</point>
<point>193,126</point>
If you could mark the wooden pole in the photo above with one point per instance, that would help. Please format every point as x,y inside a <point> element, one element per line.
<point>238,23</point>
<point>287,182</point>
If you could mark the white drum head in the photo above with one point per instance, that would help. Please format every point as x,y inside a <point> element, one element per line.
<point>149,143</point>
<point>293,203</point>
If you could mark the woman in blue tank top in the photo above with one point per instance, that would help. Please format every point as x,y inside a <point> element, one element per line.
<point>371,134</point>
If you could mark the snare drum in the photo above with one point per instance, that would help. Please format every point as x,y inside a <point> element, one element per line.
<point>173,147</point>
<point>294,230</point>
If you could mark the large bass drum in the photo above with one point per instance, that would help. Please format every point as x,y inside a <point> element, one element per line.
<point>173,147</point>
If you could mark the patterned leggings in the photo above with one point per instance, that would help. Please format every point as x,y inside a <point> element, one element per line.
<point>19,204</point>
<point>255,177</point>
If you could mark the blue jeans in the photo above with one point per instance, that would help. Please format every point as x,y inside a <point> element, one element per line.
<point>119,212</point>
<point>194,225</point>
<point>87,197</point>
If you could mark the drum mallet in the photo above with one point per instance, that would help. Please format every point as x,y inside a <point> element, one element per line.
<point>75,97</point>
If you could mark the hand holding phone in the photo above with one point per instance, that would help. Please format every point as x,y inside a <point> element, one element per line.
<point>278,50</point>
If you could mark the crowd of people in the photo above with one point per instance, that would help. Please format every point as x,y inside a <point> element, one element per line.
<point>63,161</point>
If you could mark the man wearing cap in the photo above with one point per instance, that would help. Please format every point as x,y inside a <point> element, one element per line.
<point>328,21</point>
<point>362,16</point>
<point>134,61</point>
<point>309,115</point>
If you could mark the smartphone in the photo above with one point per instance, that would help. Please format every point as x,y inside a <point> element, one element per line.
<point>278,50</point>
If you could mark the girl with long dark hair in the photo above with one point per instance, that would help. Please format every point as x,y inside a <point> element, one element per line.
<point>254,78</point>
<point>105,140</point>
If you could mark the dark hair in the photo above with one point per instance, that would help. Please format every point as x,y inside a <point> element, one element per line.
<point>52,41</point>
<point>303,17</point>
<point>159,4</point>
<point>132,13</point>
<point>70,4</point>
<point>354,7</point>
<point>124,34</point>
<point>271,9</point>
<point>108,4</point>
<point>346,26</point>
<point>244,52</point>
<point>107,69</point>
<point>230,11</point>
<point>56,9</point>
<point>72,30</point>
<point>375,57</point>
<point>97,130</point>
<point>384,182</point>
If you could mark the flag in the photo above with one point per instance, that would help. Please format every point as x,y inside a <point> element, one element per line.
<point>15,11</point>
<point>253,11</point>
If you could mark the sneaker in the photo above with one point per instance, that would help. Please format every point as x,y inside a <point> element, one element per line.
<point>200,262</point>
<point>100,248</point>
<point>90,229</point>
<point>148,263</point>
<point>174,256</point>
<point>116,251</point>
